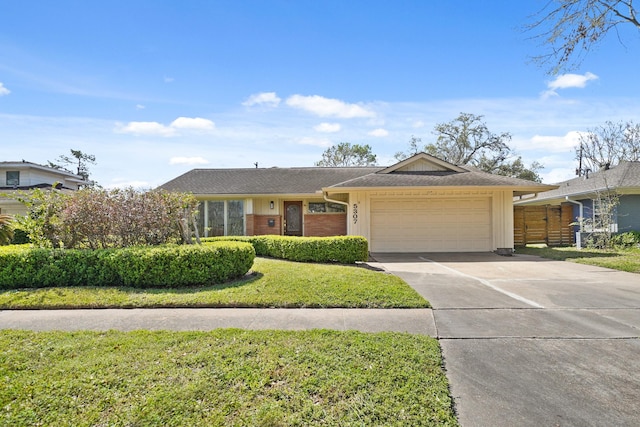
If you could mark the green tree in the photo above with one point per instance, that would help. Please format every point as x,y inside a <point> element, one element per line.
<point>569,29</point>
<point>345,154</point>
<point>79,160</point>
<point>467,140</point>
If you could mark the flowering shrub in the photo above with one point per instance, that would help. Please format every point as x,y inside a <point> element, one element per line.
<point>97,218</point>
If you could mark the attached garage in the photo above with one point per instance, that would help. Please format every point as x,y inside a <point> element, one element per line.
<point>431,225</point>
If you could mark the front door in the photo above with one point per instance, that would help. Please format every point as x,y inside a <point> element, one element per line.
<point>293,218</point>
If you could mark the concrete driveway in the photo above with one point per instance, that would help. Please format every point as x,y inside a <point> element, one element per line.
<point>532,342</point>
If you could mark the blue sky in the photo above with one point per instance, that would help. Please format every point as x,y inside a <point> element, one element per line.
<point>156,88</point>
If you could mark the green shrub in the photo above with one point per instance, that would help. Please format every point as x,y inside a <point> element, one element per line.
<point>629,239</point>
<point>20,237</point>
<point>342,249</point>
<point>164,266</point>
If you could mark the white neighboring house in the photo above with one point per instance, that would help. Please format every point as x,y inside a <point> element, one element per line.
<point>22,176</point>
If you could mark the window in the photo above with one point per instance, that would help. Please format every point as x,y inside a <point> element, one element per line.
<point>235,218</point>
<point>322,207</point>
<point>222,218</point>
<point>604,216</point>
<point>317,207</point>
<point>13,178</point>
<point>215,218</point>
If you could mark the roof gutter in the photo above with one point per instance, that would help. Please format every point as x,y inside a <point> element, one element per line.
<point>580,219</point>
<point>340,202</point>
<point>575,202</point>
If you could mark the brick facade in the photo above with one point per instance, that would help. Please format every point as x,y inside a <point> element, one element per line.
<point>258,225</point>
<point>322,225</point>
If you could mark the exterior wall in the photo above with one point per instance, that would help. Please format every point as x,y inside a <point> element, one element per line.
<point>629,213</point>
<point>502,220</point>
<point>259,212</point>
<point>258,225</point>
<point>323,225</point>
<point>11,207</point>
<point>30,176</point>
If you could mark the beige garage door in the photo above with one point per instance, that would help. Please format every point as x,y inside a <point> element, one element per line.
<point>431,225</point>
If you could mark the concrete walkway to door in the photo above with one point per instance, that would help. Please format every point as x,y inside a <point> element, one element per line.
<point>532,342</point>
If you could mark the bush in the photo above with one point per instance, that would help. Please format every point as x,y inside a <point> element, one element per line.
<point>95,218</point>
<point>629,239</point>
<point>20,237</point>
<point>164,266</point>
<point>342,249</point>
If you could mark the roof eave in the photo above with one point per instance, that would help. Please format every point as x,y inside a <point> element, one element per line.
<point>520,189</point>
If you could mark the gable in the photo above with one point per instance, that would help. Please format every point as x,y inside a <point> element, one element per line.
<point>422,162</point>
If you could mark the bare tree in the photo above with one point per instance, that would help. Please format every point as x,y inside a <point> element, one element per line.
<point>607,145</point>
<point>569,29</point>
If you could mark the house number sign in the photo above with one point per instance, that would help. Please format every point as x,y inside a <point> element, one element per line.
<point>355,213</point>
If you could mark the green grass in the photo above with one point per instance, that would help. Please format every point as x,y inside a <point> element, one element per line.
<point>617,259</point>
<point>227,377</point>
<point>274,283</point>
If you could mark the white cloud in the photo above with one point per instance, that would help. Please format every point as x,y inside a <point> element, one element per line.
<point>318,142</point>
<point>4,90</point>
<point>168,79</point>
<point>555,144</point>
<point>140,107</point>
<point>419,124</point>
<point>379,132</point>
<point>193,123</point>
<point>566,81</point>
<point>327,107</point>
<point>328,127</point>
<point>188,161</point>
<point>158,129</point>
<point>146,128</point>
<point>269,99</point>
<point>557,175</point>
<point>119,183</point>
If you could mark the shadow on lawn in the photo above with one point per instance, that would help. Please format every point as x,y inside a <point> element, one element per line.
<point>564,253</point>
<point>237,283</point>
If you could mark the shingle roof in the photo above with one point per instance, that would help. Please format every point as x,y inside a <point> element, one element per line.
<point>311,180</point>
<point>469,177</point>
<point>624,177</point>
<point>264,181</point>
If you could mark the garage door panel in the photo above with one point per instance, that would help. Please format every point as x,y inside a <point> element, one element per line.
<point>431,225</point>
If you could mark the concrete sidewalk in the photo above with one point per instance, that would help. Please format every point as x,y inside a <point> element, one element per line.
<point>415,321</point>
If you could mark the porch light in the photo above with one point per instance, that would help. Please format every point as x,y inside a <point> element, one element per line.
<point>271,205</point>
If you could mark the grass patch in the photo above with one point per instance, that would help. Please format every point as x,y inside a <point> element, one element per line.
<point>617,259</point>
<point>226,377</point>
<point>275,283</point>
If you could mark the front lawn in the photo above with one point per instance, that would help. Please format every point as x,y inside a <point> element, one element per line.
<point>618,259</point>
<point>227,377</point>
<point>274,283</point>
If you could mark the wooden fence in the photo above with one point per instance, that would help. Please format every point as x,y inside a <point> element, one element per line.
<point>543,224</point>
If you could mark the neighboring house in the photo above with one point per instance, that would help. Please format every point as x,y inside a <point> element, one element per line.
<point>21,176</point>
<point>422,204</point>
<point>581,195</point>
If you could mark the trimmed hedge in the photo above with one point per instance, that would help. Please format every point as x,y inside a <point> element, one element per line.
<point>141,267</point>
<point>342,249</point>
